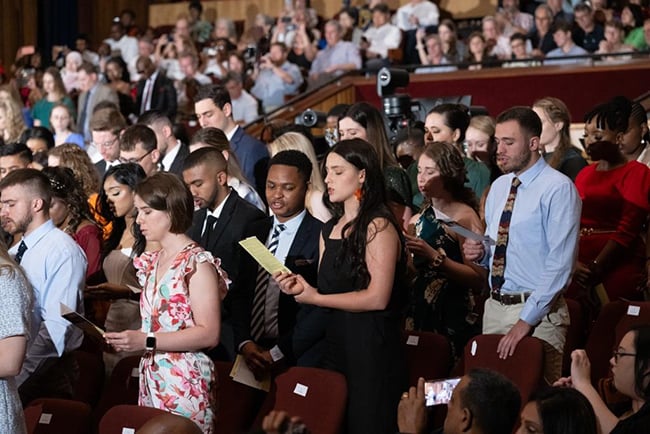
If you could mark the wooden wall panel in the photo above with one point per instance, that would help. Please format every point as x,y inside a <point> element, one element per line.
<point>18,18</point>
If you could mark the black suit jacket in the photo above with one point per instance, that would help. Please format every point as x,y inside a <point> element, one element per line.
<point>301,327</point>
<point>177,165</point>
<point>163,97</point>
<point>235,217</point>
<point>101,168</point>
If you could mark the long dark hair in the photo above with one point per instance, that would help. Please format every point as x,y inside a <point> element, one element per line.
<point>372,205</point>
<point>69,189</point>
<point>565,411</point>
<point>452,171</point>
<point>642,361</point>
<point>613,115</point>
<point>128,174</point>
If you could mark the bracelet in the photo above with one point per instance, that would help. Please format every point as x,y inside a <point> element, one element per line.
<point>438,260</point>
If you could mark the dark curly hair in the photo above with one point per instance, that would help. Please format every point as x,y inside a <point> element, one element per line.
<point>613,115</point>
<point>452,171</point>
<point>68,188</point>
<point>372,205</point>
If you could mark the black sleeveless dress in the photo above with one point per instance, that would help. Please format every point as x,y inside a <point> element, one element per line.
<point>364,346</point>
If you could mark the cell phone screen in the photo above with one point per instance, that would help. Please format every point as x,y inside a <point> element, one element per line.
<point>439,392</point>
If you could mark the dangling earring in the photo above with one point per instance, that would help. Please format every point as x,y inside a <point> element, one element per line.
<point>358,194</point>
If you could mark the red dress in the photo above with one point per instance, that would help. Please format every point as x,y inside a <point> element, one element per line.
<point>614,207</point>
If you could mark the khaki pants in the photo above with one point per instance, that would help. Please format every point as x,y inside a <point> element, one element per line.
<point>499,319</point>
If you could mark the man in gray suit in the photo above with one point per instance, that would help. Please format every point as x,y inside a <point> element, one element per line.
<point>92,93</point>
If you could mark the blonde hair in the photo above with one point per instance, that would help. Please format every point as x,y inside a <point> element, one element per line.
<point>14,120</point>
<point>298,142</point>
<point>77,160</point>
<point>484,124</point>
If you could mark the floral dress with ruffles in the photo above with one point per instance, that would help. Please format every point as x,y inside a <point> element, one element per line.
<point>178,382</point>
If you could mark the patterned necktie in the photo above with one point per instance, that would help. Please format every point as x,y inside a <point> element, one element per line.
<point>261,283</point>
<point>499,259</point>
<point>22,248</point>
<point>209,229</point>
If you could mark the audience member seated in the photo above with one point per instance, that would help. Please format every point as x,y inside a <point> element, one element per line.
<point>37,139</point>
<point>558,12</point>
<point>557,149</point>
<point>54,93</point>
<point>106,125</point>
<point>92,93</point>
<point>276,78</point>
<point>637,138</point>
<point>558,410</point>
<point>215,138</point>
<point>214,109</point>
<point>613,43</point>
<point>56,267</point>
<point>480,145</point>
<point>630,363</point>
<point>146,48</point>
<point>478,55</point>
<point>61,121</point>
<point>411,16</point>
<point>303,50</point>
<point>15,322</point>
<point>200,29</point>
<point>245,108</point>
<point>121,43</point>
<point>484,402</point>
<point>166,57</point>
<point>14,156</point>
<point>349,21</point>
<point>117,77</point>
<point>70,71</point>
<point>632,20</point>
<point>441,296</point>
<point>565,47</point>
<point>154,90</point>
<point>11,121</point>
<point>498,44</point>
<point>238,65</point>
<point>380,37</point>
<point>614,195</point>
<point>517,21</point>
<point>335,59</point>
<point>454,49</point>
<point>541,36</point>
<point>138,144</point>
<point>521,58</point>
<point>225,28</point>
<point>70,212</point>
<point>189,65</point>
<point>432,55</point>
<point>9,94</point>
<point>588,34</point>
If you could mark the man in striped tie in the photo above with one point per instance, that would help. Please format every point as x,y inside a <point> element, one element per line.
<point>533,214</point>
<point>269,325</point>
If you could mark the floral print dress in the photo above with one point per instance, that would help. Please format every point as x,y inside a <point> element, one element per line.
<point>178,382</point>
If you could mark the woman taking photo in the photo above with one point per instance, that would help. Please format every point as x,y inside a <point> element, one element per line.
<point>180,306</point>
<point>631,371</point>
<point>15,318</point>
<point>559,153</point>
<point>614,195</point>
<point>363,121</point>
<point>360,279</point>
<point>441,298</point>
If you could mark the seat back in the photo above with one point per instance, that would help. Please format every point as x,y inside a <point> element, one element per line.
<point>126,416</point>
<point>122,388</point>
<point>237,404</point>
<point>55,416</point>
<point>317,396</point>
<point>525,367</point>
<point>428,355</point>
<point>91,377</point>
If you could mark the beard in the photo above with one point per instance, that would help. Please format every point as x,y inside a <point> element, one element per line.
<point>13,227</point>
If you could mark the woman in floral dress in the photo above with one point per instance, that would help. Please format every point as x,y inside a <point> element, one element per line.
<point>180,306</point>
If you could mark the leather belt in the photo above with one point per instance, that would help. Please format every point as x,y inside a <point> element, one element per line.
<point>510,299</point>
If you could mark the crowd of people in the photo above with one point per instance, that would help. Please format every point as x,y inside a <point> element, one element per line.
<point>111,209</point>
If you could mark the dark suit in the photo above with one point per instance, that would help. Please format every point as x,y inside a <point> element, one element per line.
<point>177,165</point>
<point>301,328</point>
<point>163,95</point>
<point>253,158</point>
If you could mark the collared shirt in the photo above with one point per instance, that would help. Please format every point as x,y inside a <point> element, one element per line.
<point>543,235</point>
<point>56,267</point>
<point>383,39</point>
<point>246,192</point>
<point>285,241</point>
<point>341,53</point>
<point>147,92</point>
<point>555,57</point>
<point>216,213</point>
<point>127,46</point>
<point>427,13</point>
<point>271,89</point>
<point>170,156</point>
<point>245,108</point>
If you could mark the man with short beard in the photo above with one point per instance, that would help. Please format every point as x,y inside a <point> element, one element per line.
<point>276,78</point>
<point>56,268</point>
<point>533,214</point>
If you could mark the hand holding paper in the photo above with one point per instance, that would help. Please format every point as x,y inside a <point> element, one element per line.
<point>261,254</point>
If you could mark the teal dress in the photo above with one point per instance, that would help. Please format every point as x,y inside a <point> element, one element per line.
<point>437,304</point>
<point>43,108</point>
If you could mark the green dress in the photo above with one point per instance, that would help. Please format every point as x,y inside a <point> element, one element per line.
<point>437,304</point>
<point>43,108</point>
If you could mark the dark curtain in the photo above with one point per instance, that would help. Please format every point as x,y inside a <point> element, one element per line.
<point>57,25</point>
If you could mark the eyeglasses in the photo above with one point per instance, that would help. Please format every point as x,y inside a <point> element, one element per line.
<point>106,144</point>
<point>617,355</point>
<point>134,160</point>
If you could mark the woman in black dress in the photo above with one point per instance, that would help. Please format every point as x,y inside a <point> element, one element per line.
<point>360,280</point>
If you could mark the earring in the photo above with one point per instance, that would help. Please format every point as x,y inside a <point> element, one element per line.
<point>358,194</point>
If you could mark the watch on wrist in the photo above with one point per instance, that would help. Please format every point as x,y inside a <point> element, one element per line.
<point>150,342</point>
<point>439,259</point>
